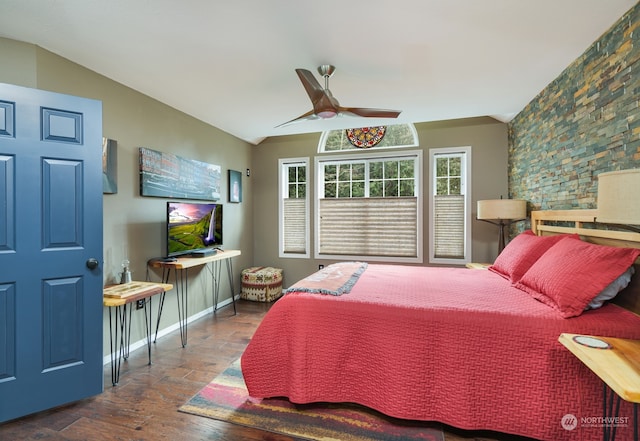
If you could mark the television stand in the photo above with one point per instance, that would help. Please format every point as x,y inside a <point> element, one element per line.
<point>180,267</point>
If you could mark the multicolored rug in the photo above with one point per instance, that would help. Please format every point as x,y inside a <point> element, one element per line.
<point>226,399</point>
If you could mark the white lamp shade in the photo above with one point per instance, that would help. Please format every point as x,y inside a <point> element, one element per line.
<point>508,209</point>
<point>619,197</point>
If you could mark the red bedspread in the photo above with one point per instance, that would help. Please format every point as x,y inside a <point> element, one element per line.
<point>453,345</point>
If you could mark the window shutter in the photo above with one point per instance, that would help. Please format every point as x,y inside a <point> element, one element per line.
<point>369,226</point>
<point>449,226</point>
<point>294,225</point>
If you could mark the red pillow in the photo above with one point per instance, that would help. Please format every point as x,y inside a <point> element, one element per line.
<point>522,252</point>
<point>572,273</point>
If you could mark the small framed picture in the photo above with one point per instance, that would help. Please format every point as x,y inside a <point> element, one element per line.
<point>109,166</point>
<point>235,186</point>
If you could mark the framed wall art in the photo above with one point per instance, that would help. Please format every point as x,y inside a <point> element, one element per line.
<point>168,175</point>
<point>235,186</point>
<point>109,166</point>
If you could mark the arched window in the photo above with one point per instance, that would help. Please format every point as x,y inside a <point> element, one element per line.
<point>375,137</point>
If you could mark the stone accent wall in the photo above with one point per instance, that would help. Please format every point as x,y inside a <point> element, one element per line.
<point>587,121</point>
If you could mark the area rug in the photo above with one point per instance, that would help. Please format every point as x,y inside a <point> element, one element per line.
<point>226,399</point>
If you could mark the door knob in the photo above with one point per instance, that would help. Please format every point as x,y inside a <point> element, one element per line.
<point>92,263</point>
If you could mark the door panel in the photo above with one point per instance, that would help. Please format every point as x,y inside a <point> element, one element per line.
<point>7,207</point>
<point>7,331</point>
<point>62,181</point>
<point>50,225</point>
<point>62,345</point>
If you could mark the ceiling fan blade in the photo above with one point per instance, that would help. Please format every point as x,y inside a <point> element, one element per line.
<point>370,113</point>
<point>309,116</point>
<point>311,85</point>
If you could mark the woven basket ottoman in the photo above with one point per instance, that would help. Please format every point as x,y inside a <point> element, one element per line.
<point>261,283</point>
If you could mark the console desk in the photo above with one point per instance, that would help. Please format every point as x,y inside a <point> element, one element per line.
<point>180,267</point>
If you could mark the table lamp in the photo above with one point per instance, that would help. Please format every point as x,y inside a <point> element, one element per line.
<point>618,200</point>
<point>502,212</point>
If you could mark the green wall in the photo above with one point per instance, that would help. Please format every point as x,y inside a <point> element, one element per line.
<point>585,122</point>
<point>134,226</point>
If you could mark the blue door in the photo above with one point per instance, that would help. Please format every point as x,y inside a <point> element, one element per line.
<point>50,246</point>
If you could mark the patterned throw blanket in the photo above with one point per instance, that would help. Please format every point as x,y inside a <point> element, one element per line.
<point>335,279</point>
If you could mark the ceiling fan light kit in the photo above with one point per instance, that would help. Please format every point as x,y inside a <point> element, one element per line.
<point>325,105</point>
<point>327,114</point>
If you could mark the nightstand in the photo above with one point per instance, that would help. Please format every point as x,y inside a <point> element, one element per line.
<point>616,361</point>
<point>482,266</point>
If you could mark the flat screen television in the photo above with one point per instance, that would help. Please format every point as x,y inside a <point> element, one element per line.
<point>193,228</point>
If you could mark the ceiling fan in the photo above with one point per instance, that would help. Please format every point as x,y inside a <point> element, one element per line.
<point>325,106</point>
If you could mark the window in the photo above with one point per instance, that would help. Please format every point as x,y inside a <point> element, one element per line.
<point>368,206</point>
<point>294,208</point>
<point>449,206</point>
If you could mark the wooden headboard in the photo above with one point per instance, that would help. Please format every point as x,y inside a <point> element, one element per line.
<point>581,222</point>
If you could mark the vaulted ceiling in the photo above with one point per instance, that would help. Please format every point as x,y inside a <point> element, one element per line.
<point>231,63</point>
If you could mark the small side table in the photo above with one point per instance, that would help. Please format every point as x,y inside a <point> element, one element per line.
<point>616,361</point>
<point>480,266</point>
<point>119,297</point>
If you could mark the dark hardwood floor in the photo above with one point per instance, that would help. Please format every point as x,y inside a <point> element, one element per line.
<point>144,405</point>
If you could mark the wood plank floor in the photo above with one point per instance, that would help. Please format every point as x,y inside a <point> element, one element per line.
<point>143,407</point>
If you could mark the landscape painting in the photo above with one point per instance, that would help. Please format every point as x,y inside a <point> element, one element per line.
<point>168,175</point>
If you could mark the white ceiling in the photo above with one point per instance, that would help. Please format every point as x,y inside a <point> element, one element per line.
<point>231,63</point>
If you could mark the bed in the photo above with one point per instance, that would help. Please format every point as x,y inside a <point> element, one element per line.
<point>469,348</point>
